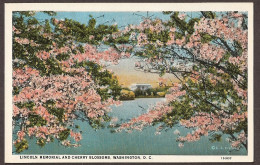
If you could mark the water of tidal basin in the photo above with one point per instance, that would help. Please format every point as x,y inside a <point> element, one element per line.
<point>103,142</point>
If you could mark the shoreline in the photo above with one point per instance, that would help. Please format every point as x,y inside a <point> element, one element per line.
<point>143,98</point>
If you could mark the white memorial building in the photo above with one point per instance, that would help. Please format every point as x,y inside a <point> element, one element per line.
<point>142,87</point>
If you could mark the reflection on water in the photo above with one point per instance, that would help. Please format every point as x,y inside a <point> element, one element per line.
<point>103,142</point>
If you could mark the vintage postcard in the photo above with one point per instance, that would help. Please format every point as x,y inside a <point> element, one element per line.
<point>118,82</point>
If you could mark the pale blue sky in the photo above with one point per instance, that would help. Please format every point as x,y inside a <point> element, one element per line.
<point>121,18</point>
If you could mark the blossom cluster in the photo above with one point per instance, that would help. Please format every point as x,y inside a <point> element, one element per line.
<point>46,105</point>
<point>210,122</point>
<point>216,49</point>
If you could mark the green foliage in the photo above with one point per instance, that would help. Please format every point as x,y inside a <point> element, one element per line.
<point>215,138</point>
<point>182,25</point>
<point>238,48</point>
<point>242,126</point>
<point>208,14</point>
<point>150,51</point>
<point>26,52</point>
<point>16,90</point>
<point>81,49</point>
<point>190,25</point>
<point>124,39</point>
<point>181,110</point>
<point>54,67</point>
<point>50,13</point>
<point>63,56</point>
<point>167,12</point>
<point>162,36</point>
<point>178,35</point>
<point>99,122</point>
<point>102,78</point>
<point>74,30</point>
<point>151,92</point>
<point>82,32</point>
<point>96,124</point>
<point>30,105</point>
<point>244,23</point>
<point>106,118</point>
<point>139,92</point>
<point>161,94</point>
<point>47,27</point>
<point>206,38</point>
<point>63,135</point>
<point>21,146</point>
<point>36,120</point>
<point>58,112</point>
<point>127,95</point>
<point>41,142</point>
<point>24,13</point>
